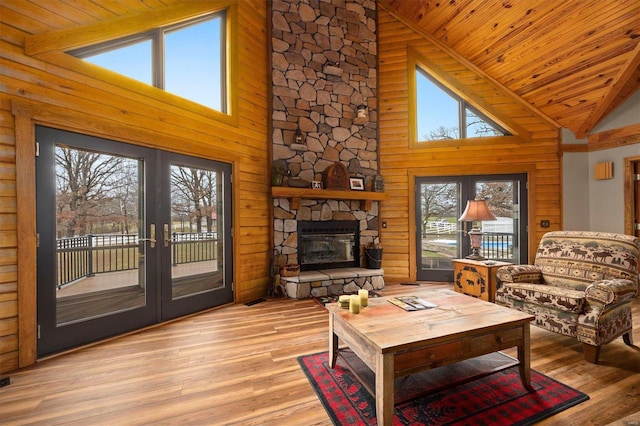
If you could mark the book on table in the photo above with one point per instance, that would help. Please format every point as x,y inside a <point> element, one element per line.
<point>411,303</point>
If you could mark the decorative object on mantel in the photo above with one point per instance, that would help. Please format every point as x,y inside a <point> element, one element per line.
<point>356,184</point>
<point>336,176</point>
<point>368,183</point>
<point>378,183</point>
<point>316,184</point>
<point>290,270</point>
<point>279,170</point>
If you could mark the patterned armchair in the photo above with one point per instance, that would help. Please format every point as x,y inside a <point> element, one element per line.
<point>580,285</point>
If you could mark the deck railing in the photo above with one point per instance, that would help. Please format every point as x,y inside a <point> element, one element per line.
<point>85,256</point>
<point>497,246</point>
<point>193,247</point>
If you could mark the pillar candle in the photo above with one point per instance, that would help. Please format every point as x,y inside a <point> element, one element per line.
<point>364,297</point>
<point>354,304</point>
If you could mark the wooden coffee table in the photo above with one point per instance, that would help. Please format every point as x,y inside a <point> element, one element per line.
<point>393,342</point>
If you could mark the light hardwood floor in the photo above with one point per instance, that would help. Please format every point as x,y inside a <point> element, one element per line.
<point>237,366</point>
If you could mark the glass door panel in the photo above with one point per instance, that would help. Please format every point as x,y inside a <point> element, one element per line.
<point>100,251</point>
<point>196,222</point>
<point>438,227</point>
<point>196,235</point>
<point>92,210</point>
<point>501,237</point>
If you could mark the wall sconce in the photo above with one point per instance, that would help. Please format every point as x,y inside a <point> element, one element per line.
<point>298,138</point>
<point>361,111</point>
<point>603,170</point>
<point>476,211</point>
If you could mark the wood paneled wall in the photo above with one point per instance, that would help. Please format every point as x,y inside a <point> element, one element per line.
<point>56,90</point>
<point>534,148</point>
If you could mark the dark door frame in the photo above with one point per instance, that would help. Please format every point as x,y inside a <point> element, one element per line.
<point>96,329</point>
<point>467,191</point>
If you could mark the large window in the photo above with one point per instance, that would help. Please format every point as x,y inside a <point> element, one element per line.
<point>441,114</point>
<point>187,59</point>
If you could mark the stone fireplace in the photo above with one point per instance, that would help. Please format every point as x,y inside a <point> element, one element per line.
<point>324,111</point>
<point>333,277</point>
<point>319,215</point>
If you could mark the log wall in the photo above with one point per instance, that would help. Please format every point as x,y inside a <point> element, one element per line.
<point>57,90</point>
<point>534,148</point>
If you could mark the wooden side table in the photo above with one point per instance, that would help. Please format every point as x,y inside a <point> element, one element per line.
<point>476,278</point>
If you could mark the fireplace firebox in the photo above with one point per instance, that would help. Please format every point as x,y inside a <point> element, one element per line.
<point>328,244</point>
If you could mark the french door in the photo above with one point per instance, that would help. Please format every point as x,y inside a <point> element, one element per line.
<point>127,237</point>
<point>440,238</point>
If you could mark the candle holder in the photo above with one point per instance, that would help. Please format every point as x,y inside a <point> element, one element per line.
<point>354,304</point>
<point>364,298</point>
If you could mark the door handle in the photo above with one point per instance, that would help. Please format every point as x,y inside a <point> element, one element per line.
<point>167,239</point>
<point>152,236</point>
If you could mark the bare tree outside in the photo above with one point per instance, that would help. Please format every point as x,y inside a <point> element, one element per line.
<point>125,202</point>
<point>442,133</point>
<point>194,194</point>
<point>439,202</point>
<point>476,128</point>
<point>88,186</point>
<point>499,196</point>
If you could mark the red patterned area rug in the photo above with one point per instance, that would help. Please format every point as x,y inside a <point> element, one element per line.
<point>481,391</point>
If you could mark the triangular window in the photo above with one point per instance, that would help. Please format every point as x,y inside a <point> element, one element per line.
<point>441,114</point>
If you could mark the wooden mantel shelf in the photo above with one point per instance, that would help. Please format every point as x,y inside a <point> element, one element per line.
<point>296,194</point>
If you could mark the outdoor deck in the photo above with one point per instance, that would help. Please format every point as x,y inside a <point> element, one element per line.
<point>120,279</point>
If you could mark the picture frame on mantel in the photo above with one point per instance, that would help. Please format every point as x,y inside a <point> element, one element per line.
<point>356,184</point>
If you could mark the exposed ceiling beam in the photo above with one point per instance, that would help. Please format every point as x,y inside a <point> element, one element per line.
<point>624,77</point>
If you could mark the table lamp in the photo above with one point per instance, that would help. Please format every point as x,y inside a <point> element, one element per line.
<point>475,211</point>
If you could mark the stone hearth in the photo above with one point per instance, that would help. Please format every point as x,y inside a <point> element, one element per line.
<point>332,282</point>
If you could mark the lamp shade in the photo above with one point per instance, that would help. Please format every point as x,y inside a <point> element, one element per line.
<point>476,210</point>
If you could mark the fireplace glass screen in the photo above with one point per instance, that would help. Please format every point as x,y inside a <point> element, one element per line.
<point>323,245</point>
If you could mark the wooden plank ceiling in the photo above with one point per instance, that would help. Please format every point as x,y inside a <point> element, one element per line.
<point>574,60</point>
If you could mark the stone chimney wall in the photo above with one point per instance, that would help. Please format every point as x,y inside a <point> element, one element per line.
<point>324,65</point>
